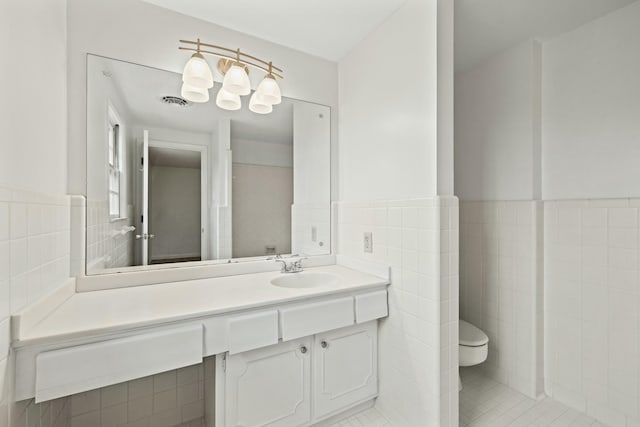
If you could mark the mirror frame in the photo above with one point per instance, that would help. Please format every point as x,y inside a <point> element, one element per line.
<point>190,270</point>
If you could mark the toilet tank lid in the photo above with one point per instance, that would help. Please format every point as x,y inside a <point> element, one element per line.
<point>471,336</point>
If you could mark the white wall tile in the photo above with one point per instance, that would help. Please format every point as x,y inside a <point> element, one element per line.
<point>32,263</point>
<point>499,281</point>
<point>18,221</point>
<point>114,395</point>
<point>623,217</point>
<point>593,353</point>
<point>418,245</point>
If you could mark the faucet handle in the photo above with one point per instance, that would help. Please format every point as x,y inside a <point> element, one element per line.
<point>297,265</point>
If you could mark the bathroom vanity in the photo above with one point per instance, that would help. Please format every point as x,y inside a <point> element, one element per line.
<point>291,349</point>
<point>177,244</point>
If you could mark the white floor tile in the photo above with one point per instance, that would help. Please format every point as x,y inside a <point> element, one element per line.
<point>485,402</point>
<point>368,418</point>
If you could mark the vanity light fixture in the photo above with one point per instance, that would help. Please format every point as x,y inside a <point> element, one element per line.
<point>234,65</point>
<point>193,93</point>
<point>197,72</point>
<point>269,90</point>
<point>258,105</point>
<point>228,101</point>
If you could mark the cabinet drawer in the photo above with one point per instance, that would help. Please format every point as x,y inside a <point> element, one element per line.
<point>371,306</point>
<point>87,367</point>
<point>309,319</point>
<point>253,330</point>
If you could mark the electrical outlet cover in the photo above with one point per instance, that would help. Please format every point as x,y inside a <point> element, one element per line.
<point>368,242</point>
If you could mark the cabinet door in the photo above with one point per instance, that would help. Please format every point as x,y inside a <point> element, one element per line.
<point>270,386</point>
<point>345,368</point>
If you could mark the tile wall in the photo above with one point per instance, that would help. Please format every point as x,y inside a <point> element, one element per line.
<point>106,247</point>
<point>303,218</point>
<point>592,306</point>
<point>163,400</point>
<point>418,341</point>
<point>501,287</point>
<point>34,260</point>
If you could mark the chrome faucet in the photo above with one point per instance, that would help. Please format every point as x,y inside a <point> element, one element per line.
<point>292,264</point>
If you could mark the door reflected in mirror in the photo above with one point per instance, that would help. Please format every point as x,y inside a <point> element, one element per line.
<point>171,181</point>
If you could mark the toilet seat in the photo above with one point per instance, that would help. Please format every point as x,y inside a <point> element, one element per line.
<point>473,345</point>
<point>471,336</point>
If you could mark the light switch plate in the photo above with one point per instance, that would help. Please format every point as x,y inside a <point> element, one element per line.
<point>368,242</point>
<point>314,234</point>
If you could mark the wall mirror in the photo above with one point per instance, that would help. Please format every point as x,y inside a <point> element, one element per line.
<point>171,182</point>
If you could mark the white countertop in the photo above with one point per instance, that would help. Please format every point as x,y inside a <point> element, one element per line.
<point>99,312</point>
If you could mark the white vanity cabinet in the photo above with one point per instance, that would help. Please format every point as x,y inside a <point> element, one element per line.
<point>299,382</point>
<point>269,386</point>
<point>345,368</point>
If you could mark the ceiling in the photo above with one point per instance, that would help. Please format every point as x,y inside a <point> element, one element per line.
<point>325,28</point>
<point>168,157</point>
<point>142,88</point>
<point>485,27</point>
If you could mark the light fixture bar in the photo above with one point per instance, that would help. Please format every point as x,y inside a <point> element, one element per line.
<point>236,56</point>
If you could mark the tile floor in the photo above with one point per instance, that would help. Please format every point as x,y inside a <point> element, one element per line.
<point>488,403</point>
<point>485,403</point>
<point>369,418</point>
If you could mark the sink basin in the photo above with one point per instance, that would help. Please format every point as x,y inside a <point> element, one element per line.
<point>305,280</point>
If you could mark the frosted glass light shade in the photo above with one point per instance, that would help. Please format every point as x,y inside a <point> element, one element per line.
<point>270,91</point>
<point>236,81</point>
<point>194,94</point>
<point>228,101</point>
<point>258,105</point>
<point>197,72</point>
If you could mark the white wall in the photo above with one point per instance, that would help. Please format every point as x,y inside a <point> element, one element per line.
<point>395,156</point>
<point>174,212</point>
<point>262,198</point>
<point>34,116</point>
<point>591,106</point>
<point>497,143</point>
<point>388,141</point>
<point>313,165</point>
<point>446,101</point>
<point>262,153</point>
<point>311,153</point>
<point>34,211</point>
<point>134,31</point>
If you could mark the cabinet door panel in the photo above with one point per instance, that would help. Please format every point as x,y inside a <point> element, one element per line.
<point>345,368</point>
<point>270,386</point>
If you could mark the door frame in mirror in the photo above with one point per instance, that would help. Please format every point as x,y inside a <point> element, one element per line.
<point>204,188</point>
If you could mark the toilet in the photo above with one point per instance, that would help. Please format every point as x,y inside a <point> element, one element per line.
<point>473,346</point>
